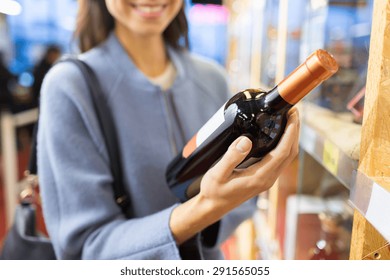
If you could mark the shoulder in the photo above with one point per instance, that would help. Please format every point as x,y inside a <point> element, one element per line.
<point>62,80</point>
<point>65,79</point>
<point>64,86</point>
<point>66,103</point>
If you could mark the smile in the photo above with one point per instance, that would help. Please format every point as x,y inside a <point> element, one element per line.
<point>149,11</point>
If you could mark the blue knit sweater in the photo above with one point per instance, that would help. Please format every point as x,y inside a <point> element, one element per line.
<point>75,180</point>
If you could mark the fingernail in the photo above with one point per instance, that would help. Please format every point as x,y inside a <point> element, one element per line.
<point>244,144</point>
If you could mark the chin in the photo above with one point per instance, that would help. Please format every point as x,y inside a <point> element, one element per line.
<point>149,30</point>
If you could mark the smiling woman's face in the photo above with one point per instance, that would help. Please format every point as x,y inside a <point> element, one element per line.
<point>144,17</point>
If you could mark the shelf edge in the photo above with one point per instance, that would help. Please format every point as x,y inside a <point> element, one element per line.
<point>328,155</point>
<point>372,201</point>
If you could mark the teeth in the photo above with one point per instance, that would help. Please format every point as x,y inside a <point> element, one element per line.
<point>150,9</point>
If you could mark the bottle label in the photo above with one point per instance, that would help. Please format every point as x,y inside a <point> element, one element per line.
<point>206,130</point>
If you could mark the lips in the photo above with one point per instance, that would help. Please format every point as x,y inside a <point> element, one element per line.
<point>149,10</point>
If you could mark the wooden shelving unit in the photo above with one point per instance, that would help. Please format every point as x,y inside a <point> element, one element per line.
<point>332,139</point>
<point>358,156</point>
<point>374,162</point>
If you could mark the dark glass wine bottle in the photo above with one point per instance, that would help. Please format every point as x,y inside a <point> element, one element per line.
<point>259,115</point>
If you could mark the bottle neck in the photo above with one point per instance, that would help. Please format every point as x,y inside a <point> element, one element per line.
<point>312,72</point>
<point>275,101</point>
<point>329,236</point>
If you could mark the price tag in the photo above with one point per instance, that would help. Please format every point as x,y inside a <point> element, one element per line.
<point>330,157</point>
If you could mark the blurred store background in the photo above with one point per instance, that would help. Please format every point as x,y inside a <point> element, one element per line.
<point>258,42</point>
<point>28,27</point>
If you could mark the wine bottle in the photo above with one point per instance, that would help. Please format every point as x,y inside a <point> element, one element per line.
<point>255,113</point>
<point>331,245</point>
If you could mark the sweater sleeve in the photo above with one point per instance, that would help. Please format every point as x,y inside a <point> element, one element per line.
<point>81,215</point>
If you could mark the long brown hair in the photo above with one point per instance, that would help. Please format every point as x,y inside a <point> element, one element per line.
<point>94,23</point>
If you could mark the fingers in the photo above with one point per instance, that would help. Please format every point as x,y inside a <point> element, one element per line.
<point>271,165</point>
<point>287,148</point>
<point>236,153</point>
<point>295,121</point>
<point>292,111</point>
<point>295,147</point>
<point>293,116</point>
<point>284,152</point>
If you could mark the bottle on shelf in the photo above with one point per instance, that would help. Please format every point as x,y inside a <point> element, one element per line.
<point>255,113</point>
<point>331,245</point>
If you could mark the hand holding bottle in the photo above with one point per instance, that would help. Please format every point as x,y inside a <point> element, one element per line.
<point>224,187</point>
<point>255,113</point>
<point>224,182</point>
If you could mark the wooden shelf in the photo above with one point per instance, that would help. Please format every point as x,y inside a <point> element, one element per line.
<point>332,139</point>
<point>372,201</point>
<point>357,155</point>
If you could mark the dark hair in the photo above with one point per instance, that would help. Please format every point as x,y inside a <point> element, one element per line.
<point>94,23</point>
<point>52,48</point>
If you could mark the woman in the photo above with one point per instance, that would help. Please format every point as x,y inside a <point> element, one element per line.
<point>160,95</point>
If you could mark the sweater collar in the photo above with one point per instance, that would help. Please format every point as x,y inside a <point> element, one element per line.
<point>126,67</point>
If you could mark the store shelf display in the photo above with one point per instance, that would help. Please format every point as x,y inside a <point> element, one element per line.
<point>342,28</point>
<point>323,137</point>
<point>343,125</point>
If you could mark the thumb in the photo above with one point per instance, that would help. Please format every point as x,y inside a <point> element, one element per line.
<point>236,153</point>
